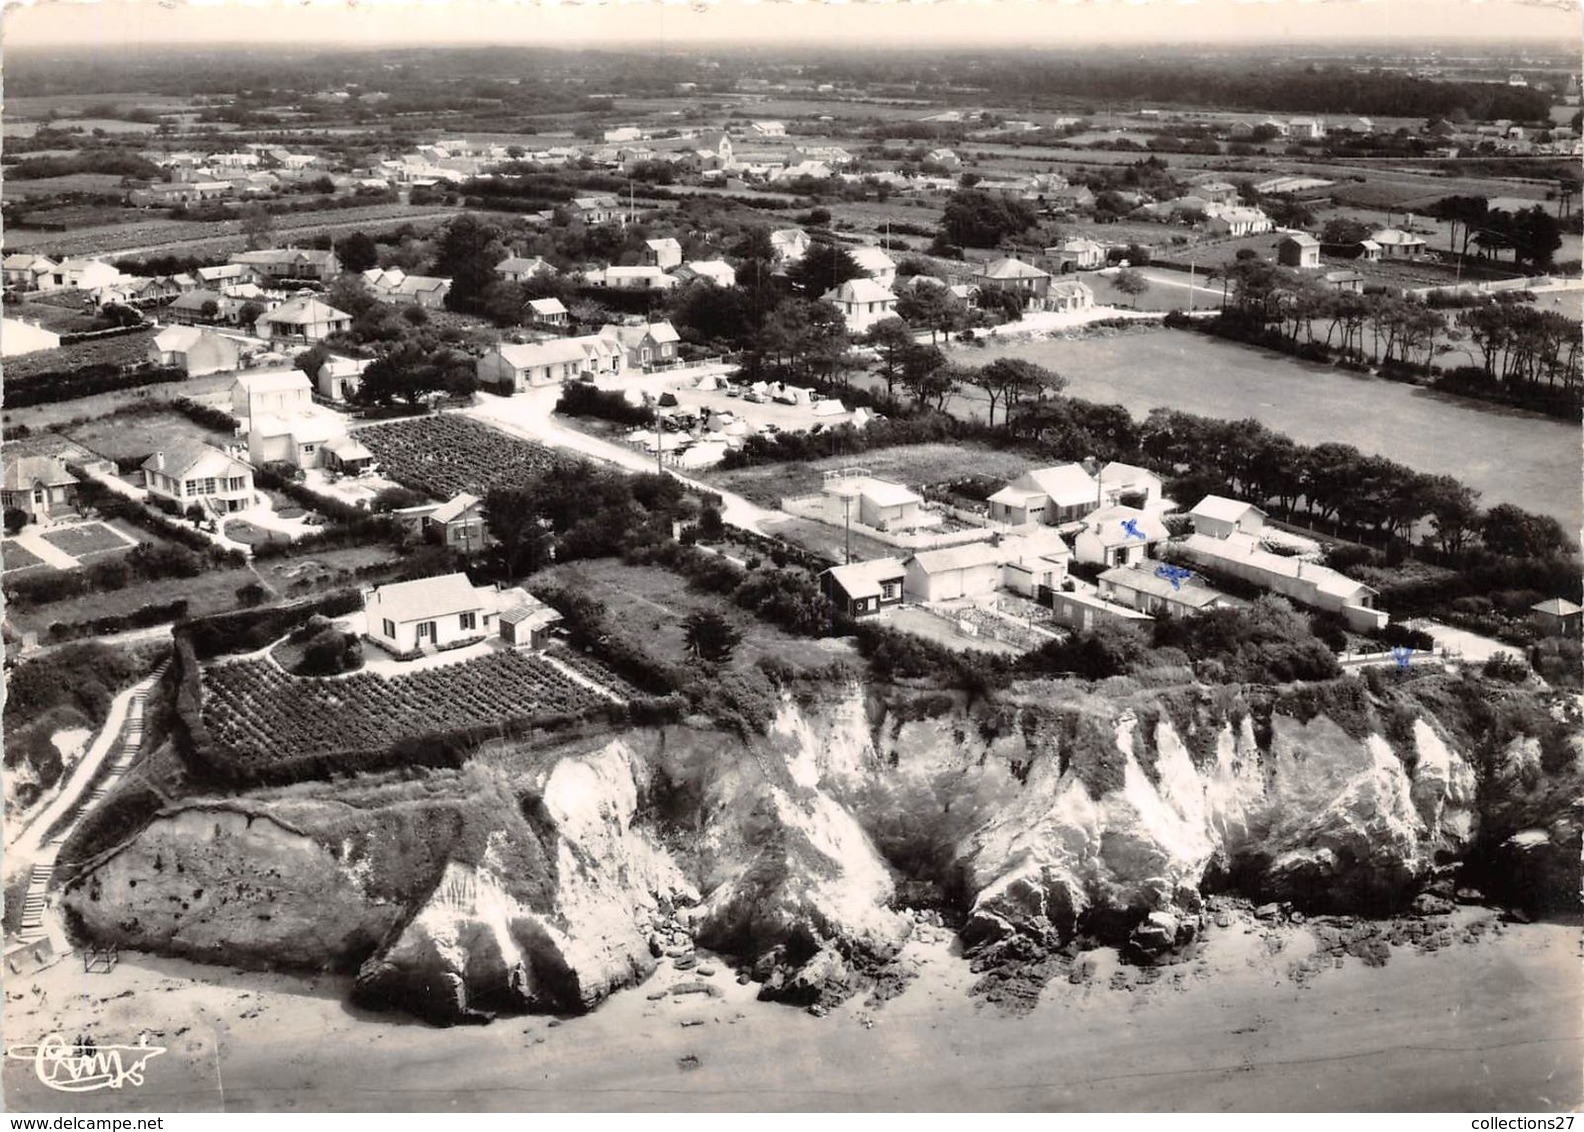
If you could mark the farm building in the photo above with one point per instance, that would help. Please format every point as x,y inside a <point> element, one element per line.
<point>861,588</point>
<point>193,350</point>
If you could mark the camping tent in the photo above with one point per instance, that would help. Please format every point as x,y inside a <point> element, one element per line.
<point>707,382</point>
<point>861,416</point>
<point>829,408</point>
<point>702,455</point>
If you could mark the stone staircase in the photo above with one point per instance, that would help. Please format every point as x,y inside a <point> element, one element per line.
<point>35,903</point>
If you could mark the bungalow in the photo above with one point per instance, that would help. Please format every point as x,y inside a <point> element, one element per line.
<point>303,319</point>
<point>88,274</point>
<point>348,455</point>
<point>1008,274</point>
<point>973,570</point>
<point>664,253</point>
<point>789,244</point>
<point>1069,295</point>
<point>225,275</point>
<point>1054,496</point>
<point>1078,254</point>
<point>25,271</point>
<point>883,505</point>
<point>597,210</point>
<point>429,614</point>
<point>1307,583</point>
<point>18,337</point>
<point>1344,280</point>
<point>39,485</point>
<point>1239,221</point>
<point>201,305</point>
<point>1117,480</point>
<point>548,312</point>
<point>512,367</point>
<point>1397,244</point>
<point>274,392</point>
<point>191,472</point>
<point>1216,516</point>
<point>525,621</point>
<point>1157,593</point>
<point>1299,250</point>
<point>862,588</point>
<point>876,264</point>
<point>1556,617</point>
<point>1034,564</point>
<point>291,263</point>
<point>945,158</point>
<point>458,524</point>
<point>193,350</point>
<point>1367,250</point>
<point>338,379</point>
<point>1119,536</point>
<point>426,291</point>
<point>862,302</point>
<point>1217,192</point>
<point>643,344</point>
<point>516,269</point>
<point>716,271</point>
<point>1071,199</point>
<point>643,278</point>
<point>770,129</point>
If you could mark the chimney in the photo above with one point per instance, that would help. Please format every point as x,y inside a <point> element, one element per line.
<point>159,461</point>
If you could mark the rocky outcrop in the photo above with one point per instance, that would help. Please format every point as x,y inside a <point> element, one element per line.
<point>1063,812</point>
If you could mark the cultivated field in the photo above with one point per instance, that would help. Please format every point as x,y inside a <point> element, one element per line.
<point>911,464</point>
<point>119,350</point>
<point>265,714</point>
<point>443,455</point>
<point>71,183</point>
<point>136,435</point>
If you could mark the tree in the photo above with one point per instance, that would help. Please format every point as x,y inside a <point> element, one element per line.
<point>891,340</point>
<point>1010,380</point>
<point>1517,533</point>
<point>824,267</point>
<point>1343,230</point>
<point>15,520</point>
<point>249,313</point>
<point>513,516</point>
<point>935,308</point>
<point>1131,283</point>
<point>467,253</point>
<point>975,218</point>
<point>711,637</point>
<point>1454,512</point>
<point>258,227</point>
<point>358,252</point>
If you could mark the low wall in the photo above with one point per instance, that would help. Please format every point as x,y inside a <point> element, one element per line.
<point>817,508</point>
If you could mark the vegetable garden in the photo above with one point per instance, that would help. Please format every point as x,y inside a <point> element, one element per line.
<point>442,455</point>
<point>264,715</point>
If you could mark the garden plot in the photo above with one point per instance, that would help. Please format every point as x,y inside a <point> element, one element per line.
<point>443,455</point>
<point>265,715</point>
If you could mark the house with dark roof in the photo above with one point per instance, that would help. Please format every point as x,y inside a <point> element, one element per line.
<point>861,589</point>
<point>1299,250</point>
<point>458,523</point>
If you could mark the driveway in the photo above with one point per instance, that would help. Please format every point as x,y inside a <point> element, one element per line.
<point>531,415</point>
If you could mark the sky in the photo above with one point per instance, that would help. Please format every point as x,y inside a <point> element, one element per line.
<point>878,22</point>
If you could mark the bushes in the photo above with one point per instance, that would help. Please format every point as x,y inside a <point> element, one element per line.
<point>146,616</point>
<point>249,630</point>
<point>580,399</point>
<point>70,385</point>
<point>205,415</point>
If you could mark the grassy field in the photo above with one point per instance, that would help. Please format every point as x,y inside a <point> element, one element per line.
<point>70,183</point>
<point>90,538</point>
<point>17,557</point>
<point>912,464</point>
<point>68,414</point>
<point>131,435</point>
<point>653,603</point>
<point>120,350</point>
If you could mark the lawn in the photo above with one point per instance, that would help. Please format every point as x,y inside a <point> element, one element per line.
<point>911,464</point>
<point>652,603</point>
<point>68,414</point>
<point>90,538</point>
<point>17,557</point>
<point>137,435</point>
<point>240,530</point>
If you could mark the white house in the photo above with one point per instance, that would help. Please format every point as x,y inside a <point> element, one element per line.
<point>1117,479</point>
<point>1119,536</point>
<point>516,269</point>
<point>274,392</point>
<point>1147,591</point>
<point>644,344</point>
<point>973,570</point>
<point>195,350</point>
<point>1216,516</point>
<point>511,368</point>
<point>38,485</point>
<point>876,264</point>
<point>871,502</point>
<point>299,440</point>
<point>1057,495</point>
<point>1034,564</point>
<point>664,253</point>
<point>430,614</point>
<point>339,377</point>
<point>645,277</point>
<point>789,244</point>
<point>1239,221</point>
<point>862,302</point>
<point>303,319</point>
<point>716,271</point>
<point>770,129</point>
<point>18,337</point>
<point>1308,583</point>
<point>548,312</point>
<point>191,472</point>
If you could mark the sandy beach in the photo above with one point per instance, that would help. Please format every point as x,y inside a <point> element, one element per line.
<point>1256,1021</point>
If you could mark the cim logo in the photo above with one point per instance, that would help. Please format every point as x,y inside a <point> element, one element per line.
<point>83,1066</point>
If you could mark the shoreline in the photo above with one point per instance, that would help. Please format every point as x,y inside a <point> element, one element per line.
<point>1257,1020</point>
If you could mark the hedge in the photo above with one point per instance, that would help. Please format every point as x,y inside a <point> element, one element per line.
<point>155,613</point>
<point>247,630</point>
<point>69,385</point>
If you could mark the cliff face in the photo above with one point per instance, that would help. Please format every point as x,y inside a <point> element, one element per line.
<point>1063,810</point>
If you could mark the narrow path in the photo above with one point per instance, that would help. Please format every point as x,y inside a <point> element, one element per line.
<point>588,682</point>
<point>32,540</point>
<point>40,918</point>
